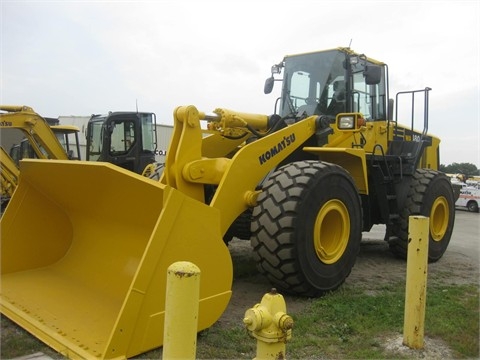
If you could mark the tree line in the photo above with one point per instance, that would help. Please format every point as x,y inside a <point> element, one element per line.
<point>460,168</point>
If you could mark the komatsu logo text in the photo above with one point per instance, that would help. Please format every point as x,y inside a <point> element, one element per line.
<point>286,141</point>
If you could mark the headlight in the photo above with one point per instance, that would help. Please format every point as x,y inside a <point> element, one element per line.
<point>346,122</point>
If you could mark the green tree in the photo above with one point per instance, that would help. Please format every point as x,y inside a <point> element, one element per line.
<point>460,168</point>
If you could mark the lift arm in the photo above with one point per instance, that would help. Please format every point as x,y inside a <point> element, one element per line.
<point>236,176</point>
<point>9,173</point>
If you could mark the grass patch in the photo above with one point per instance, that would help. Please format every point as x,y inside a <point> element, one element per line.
<point>344,324</point>
<point>16,342</point>
<point>352,324</point>
<point>453,315</point>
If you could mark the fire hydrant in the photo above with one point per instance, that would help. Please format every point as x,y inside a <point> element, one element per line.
<point>270,325</point>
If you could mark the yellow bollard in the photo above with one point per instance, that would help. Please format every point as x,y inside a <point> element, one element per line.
<point>270,325</point>
<point>181,311</point>
<point>416,287</point>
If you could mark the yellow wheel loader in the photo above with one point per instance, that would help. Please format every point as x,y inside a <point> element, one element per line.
<point>25,150</point>
<point>67,135</point>
<point>41,141</point>
<point>83,266</point>
<point>45,141</point>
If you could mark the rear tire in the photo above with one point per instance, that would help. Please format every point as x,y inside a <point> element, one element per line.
<point>431,195</point>
<point>307,228</point>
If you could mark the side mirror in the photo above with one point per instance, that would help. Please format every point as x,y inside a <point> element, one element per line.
<point>267,89</point>
<point>372,74</point>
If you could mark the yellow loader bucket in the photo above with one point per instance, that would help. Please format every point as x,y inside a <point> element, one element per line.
<point>84,255</point>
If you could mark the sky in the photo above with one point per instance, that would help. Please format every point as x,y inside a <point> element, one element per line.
<point>79,57</point>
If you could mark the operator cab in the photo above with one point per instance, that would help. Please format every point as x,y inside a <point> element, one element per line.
<point>331,82</point>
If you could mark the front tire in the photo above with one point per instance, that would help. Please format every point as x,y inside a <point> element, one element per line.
<point>307,228</point>
<point>431,195</point>
<point>472,206</point>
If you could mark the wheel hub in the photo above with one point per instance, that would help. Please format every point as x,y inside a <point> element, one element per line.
<point>439,216</point>
<point>332,231</point>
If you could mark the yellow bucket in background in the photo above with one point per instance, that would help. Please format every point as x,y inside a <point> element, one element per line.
<point>84,255</point>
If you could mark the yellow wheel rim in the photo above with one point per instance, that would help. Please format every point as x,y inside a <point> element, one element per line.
<point>332,231</point>
<point>439,216</point>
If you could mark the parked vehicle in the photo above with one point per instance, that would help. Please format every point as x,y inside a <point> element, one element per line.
<point>469,198</point>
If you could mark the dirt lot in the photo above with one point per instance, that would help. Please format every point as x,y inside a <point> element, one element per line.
<point>375,266</point>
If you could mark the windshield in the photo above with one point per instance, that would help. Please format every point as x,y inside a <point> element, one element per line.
<point>68,140</point>
<point>321,83</point>
<point>122,136</point>
<point>308,81</point>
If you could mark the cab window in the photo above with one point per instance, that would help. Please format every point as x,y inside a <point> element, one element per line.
<point>122,137</point>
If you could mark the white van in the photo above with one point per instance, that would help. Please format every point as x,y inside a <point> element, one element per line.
<point>469,198</point>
